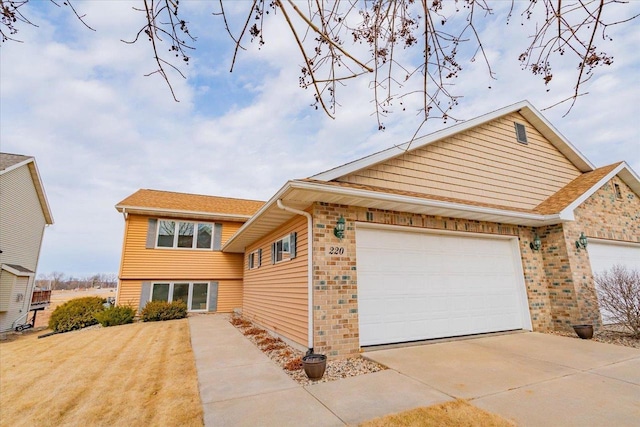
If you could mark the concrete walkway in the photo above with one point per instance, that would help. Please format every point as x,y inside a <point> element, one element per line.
<point>534,379</point>
<point>240,386</point>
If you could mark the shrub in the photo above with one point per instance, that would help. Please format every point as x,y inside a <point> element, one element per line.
<point>76,314</point>
<point>116,315</point>
<point>619,297</point>
<point>155,311</point>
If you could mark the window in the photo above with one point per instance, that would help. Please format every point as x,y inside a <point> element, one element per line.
<point>616,189</point>
<point>284,249</point>
<point>182,234</point>
<point>255,259</point>
<point>281,249</point>
<point>195,295</point>
<point>521,132</point>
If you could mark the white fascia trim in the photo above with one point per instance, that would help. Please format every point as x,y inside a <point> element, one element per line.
<point>122,208</point>
<point>258,214</point>
<point>17,165</point>
<point>16,272</point>
<point>420,202</point>
<point>567,213</point>
<point>529,110</point>
<point>44,199</point>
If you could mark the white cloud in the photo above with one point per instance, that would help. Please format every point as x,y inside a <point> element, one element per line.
<point>79,102</point>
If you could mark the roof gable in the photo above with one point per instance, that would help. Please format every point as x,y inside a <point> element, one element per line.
<point>147,201</point>
<point>9,162</point>
<point>528,112</point>
<point>482,164</point>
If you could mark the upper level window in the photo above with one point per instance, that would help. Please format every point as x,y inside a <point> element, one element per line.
<point>521,132</point>
<point>182,234</point>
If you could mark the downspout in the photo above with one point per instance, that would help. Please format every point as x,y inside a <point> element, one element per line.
<point>309,269</point>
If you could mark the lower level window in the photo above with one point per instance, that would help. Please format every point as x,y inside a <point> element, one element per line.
<point>194,294</point>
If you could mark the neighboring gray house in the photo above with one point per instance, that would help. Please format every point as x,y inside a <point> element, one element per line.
<point>24,213</point>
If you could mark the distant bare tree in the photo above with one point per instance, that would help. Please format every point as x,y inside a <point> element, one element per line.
<point>618,292</point>
<point>329,36</point>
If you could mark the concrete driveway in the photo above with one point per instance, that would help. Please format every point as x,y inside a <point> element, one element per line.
<point>534,379</point>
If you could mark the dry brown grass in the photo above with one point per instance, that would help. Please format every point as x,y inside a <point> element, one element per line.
<point>458,413</point>
<point>137,374</point>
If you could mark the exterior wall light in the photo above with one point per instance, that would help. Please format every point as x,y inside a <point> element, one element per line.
<point>338,231</point>
<point>581,243</point>
<point>536,244</point>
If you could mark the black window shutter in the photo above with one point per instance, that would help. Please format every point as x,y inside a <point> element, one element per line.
<point>273,253</point>
<point>151,233</point>
<point>145,295</point>
<point>217,236</point>
<point>293,245</point>
<point>213,296</point>
<point>259,257</point>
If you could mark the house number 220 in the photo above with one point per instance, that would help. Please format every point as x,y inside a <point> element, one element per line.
<point>336,250</point>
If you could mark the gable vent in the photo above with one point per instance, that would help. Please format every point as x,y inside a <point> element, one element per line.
<point>521,133</point>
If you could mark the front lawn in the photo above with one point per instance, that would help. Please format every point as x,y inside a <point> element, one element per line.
<point>137,374</point>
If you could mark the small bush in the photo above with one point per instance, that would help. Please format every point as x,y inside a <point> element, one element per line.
<point>76,314</point>
<point>155,311</point>
<point>116,315</point>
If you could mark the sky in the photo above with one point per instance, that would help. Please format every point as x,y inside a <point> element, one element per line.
<point>80,103</point>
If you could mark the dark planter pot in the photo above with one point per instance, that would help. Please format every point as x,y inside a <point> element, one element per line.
<point>584,331</point>
<point>314,365</point>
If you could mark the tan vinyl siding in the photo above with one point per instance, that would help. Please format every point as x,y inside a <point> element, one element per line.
<point>22,221</point>
<point>138,262</point>
<point>129,293</point>
<point>485,164</point>
<point>229,295</point>
<point>6,290</point>
<point>275,295</point>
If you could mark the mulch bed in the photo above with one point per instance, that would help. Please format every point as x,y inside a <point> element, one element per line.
<point>290,359</point>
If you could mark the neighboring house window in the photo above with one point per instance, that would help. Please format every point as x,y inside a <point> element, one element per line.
<point>194,294</point>
<point>284,249</point>
<point>255,259</point>
<point>521,133</point>
<point>182,234</point>
<point>616,189</point>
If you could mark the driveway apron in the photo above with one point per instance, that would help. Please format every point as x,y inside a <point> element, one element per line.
<point>532,378</point>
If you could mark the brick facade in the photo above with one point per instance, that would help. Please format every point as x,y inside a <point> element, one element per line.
<point>558,278</point>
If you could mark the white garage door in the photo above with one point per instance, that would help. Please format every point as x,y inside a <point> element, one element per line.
<point>605,254</point>
<point>415,285</point>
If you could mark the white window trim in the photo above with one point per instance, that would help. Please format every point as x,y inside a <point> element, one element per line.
<point>288,252</point>
<point>175,235</point>
<point>254,261</point>
<point>190,295</point>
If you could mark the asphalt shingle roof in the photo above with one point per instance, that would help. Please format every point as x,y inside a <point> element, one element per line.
<point>168,200</point>
<point>7,160</point>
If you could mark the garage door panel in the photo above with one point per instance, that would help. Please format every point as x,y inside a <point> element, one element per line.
<point>414,286</point>
<point>603,255</point>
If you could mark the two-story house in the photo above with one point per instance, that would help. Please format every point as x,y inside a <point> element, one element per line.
<point>494,224</point>
<point>24,214</point>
